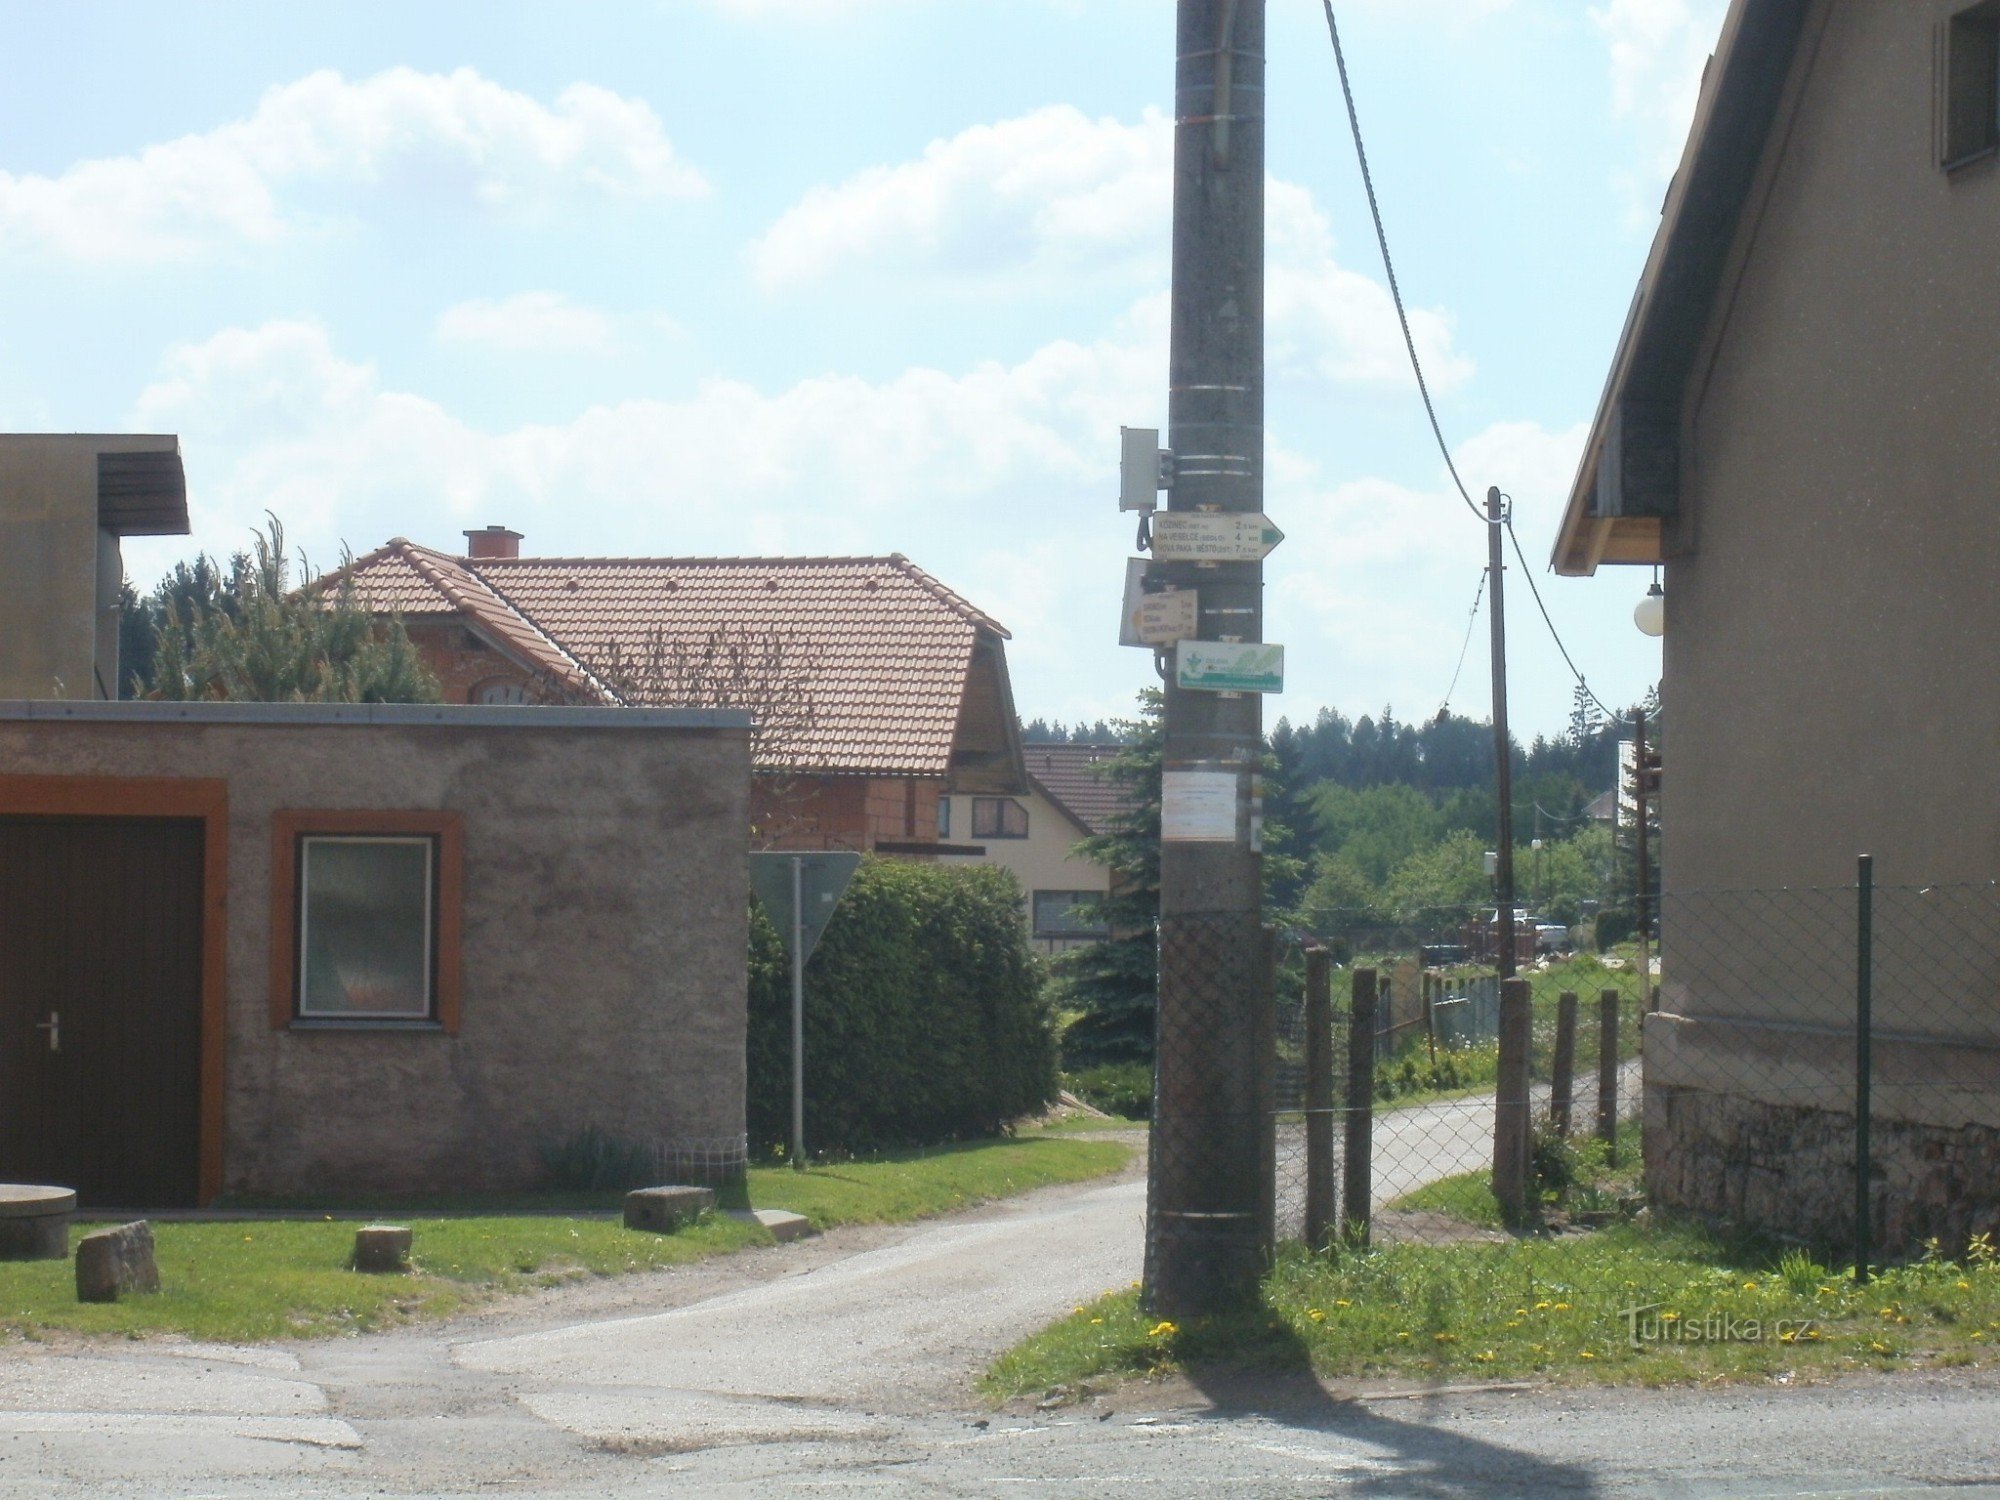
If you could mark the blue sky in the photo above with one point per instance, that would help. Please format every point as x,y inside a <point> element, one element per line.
<point>756,276</point>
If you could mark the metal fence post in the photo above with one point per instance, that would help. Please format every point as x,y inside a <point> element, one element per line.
<point>1607,1070</point>
<point>1319,1099</point>
<point>1510,1103</point>
<point>1358,1197</point>
<point>1864,1027</point>
<point>1562,1071</point>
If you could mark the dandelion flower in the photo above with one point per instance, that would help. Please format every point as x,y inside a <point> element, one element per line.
<point>1749,1286</point>
<point>1342,1302</point>
<point>1162,1330</point>
<point>1445,1338</point>
<point>1585,1354</point>
<point>1562,1307</point>
<point>1316,1315</point>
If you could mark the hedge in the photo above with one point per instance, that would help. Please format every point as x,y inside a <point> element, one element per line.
<point>925,1015</point>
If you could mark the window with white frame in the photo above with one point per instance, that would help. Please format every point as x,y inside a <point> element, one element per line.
<point>367,927</point>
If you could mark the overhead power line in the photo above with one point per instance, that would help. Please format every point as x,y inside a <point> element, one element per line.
<point>1423,386</point>
<point>1471,620</point>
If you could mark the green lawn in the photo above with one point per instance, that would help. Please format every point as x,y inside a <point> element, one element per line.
<point>265,1279</point>
<point>1550,1309</point>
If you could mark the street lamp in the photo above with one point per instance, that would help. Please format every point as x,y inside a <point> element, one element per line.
<point>1650,613</point>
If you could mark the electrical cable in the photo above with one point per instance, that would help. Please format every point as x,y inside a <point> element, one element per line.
<point>1472,619</point>
<point>1389,266</point>
<point>1528,577</point>
<point>1423,386</point>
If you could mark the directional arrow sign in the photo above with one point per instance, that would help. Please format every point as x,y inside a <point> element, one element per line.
<point>1213,536</point>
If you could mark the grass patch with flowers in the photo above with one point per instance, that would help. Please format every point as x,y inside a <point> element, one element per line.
<point>243,1280</point>
<point>1633,1303</point>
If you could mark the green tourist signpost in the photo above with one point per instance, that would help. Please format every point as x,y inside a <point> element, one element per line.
<point>799,890</point>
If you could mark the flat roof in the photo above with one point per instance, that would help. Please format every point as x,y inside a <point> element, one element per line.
<point>399,715</point>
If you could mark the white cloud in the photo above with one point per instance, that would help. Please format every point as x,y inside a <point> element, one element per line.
<point>1051,188</point>
<point>527,323</point>
<point>178,199</point>
<point>793,11</point>
<point>1658,49</point>
<point>998,478</point>
<point>1057,194</point>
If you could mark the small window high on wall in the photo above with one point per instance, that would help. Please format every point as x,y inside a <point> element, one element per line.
<point>1972,85</point>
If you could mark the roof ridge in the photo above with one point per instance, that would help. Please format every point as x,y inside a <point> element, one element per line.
<point>567,658</point>
<point>949,597</point>
<point>695,561</point>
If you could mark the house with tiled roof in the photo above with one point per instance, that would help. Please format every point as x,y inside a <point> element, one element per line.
<point>1035,835</point>
<point>883,691</point>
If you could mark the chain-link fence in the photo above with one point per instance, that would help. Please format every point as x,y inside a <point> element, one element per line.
<point>1804,1071</point>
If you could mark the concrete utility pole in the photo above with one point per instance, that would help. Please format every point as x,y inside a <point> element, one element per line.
<point>1207,1223</point>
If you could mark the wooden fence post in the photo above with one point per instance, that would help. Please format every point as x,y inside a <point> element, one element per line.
<point>1510,1103</point>
<point>1319,1099</point>
<point>1358,1196</point>
<point>1607,1069</point>
<point>1562,1071</point>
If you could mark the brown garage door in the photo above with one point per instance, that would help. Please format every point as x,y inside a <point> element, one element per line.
<point>100,1007</point>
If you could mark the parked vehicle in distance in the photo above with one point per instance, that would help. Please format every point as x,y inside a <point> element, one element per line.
<point>1551,937</point>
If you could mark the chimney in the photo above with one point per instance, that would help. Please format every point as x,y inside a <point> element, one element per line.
<point>492,541</point>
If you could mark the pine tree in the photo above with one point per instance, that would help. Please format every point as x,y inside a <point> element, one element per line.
<point>262,641</point>
<point>1113,986</point>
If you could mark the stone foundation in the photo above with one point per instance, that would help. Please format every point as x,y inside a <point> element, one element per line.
<point>1751,1123</point>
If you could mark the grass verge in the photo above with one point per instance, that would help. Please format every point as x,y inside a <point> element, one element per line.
<point>1631,1304</point>
<point>250,1280</point>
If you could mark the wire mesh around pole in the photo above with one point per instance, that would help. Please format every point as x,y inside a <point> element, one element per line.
<point>1207,1221</point>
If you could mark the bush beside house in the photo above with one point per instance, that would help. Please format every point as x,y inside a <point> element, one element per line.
<point>925,1017</point>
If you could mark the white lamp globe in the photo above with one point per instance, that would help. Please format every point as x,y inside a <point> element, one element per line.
<point>1650,613</point>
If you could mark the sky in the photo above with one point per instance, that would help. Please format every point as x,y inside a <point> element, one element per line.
<point>756,277</point>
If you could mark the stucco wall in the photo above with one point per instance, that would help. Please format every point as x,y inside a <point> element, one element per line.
<point>1833,640</point>
<point>58,569</point>
<point>1041,862</point>
<point>1832,668</point>
<point>604,951</point>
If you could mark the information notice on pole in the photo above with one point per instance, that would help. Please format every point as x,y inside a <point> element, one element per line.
<point>1199,807</point>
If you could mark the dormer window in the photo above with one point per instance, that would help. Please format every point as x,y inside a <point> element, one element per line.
<point>1972,85</point>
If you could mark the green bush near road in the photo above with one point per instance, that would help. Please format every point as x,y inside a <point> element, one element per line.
<point>925,1019</point>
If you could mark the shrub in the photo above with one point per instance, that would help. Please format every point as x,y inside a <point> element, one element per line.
<point>924,1016</point>
<point>591,1161</point>
<point>1124,1089</point>
<point>1614,927</point>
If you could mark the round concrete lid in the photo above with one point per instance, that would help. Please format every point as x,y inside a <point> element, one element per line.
<point>19,1201</point>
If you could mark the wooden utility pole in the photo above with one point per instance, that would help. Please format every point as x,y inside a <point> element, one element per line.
<point>1207,1240</point>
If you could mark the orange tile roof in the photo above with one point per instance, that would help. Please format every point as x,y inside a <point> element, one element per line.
<point>890,646</point>
<point>1064,773</point>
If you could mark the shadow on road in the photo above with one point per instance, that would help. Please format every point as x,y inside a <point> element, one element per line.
<point>1424,1460</point>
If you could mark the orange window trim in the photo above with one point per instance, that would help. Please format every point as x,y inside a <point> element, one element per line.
<point>166,797</point>
<point>287,824</point>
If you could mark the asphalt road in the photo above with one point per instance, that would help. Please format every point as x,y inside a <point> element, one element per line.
<point>844,1366</point>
